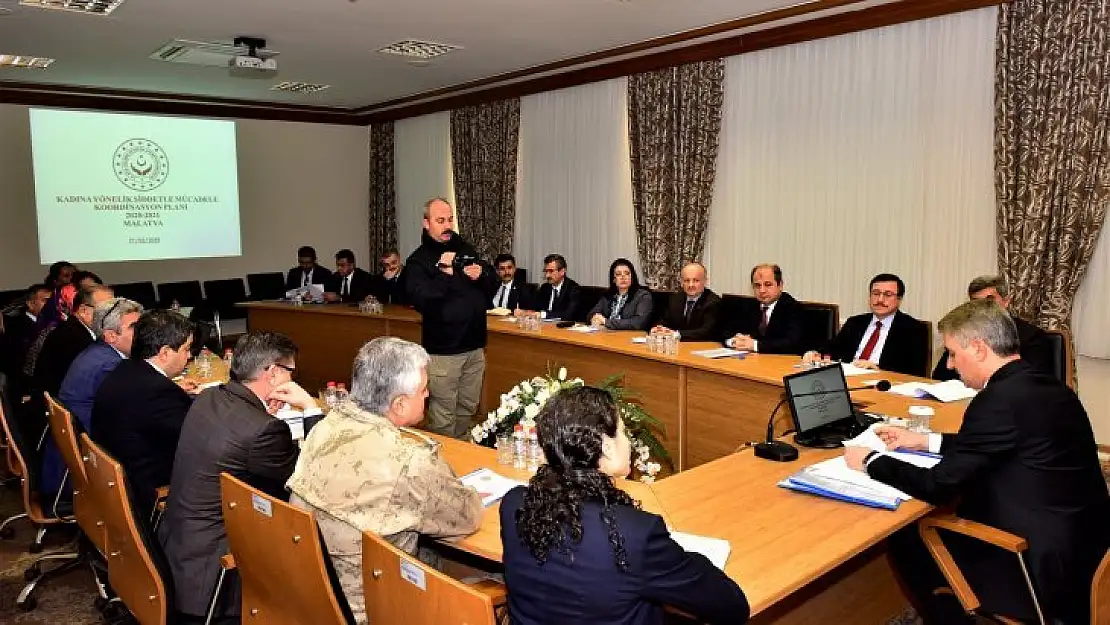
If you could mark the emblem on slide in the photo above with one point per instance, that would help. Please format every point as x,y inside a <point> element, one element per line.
<point>141,164</point>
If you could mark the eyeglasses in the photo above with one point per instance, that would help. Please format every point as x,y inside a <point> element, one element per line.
<point>883,294</point>
<point>291,370</point>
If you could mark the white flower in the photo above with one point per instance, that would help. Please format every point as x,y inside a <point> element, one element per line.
<point>531,411</point>
<point>562,373</point>
<point>654,467</point>
<point>647,479</point>
<point>526,386</point>
<point>478,434</point>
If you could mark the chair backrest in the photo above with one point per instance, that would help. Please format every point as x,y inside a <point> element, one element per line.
<point>266,285</point>
<point>1100,593</point>
<point>141,292</point>
<point>223,295</point>
<point>12,296</point>
<point>588,296</point>
<point>65,439</point>
<point>820,323</point>
<point>401,589</point>
<point>137,569</point>
<point>279,557</point>
<point>1063,365</point>
<point>186,293</point>
<point>22,453</point>
<point>927,366</point>
<point>659,302</point>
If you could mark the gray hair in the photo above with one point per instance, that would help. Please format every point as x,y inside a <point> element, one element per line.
<point>384,369</point>
<point>428,205</point>
<point>982,319</point>
<point>109,314</point>
<point>257,351</point>
<point>997,283</point>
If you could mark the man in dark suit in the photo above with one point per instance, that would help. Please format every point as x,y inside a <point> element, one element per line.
<point>509,293</point>
<point>770,324</point>
<point>557,298</point>
<point>138,410</point>
<point>18,328</point>
<point>66,341</point>
<point>307,271</point>
<point>229,428</point>
<point>886,339</point>
<point>114,325</point>
<point>1036,351</point>
<point>1024,461</point>
<point>348,283</point>
<point>388,287</point>
<point>693,313</point>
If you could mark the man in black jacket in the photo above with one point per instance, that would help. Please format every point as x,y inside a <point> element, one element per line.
<point>558,296</point>
<point>1024,461</point>
<point>389,285</point>
<point>1036,351</point>
<point>66,341</point>
<point>772,322</point>
<point>307,271</point>
<point>229,428</point>
<point>138,409</point>
<point>693,313</point>
<point>18,328</point>
<point>349,283</point>
<point>509,292</point>
<point>447,284</point>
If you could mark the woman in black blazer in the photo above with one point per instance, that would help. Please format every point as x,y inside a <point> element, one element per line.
<point>626,305</point>
<point>577,549</point>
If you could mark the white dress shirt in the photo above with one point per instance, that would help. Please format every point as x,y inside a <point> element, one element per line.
<point>501,300</point>
<point>551,302</point>
<point>877,352</point>
<point>755,344</point>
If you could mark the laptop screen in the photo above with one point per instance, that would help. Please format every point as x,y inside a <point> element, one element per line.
<point>818,397</point>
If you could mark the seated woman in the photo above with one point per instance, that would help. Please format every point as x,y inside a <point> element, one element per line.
<point>577,549</point>
<point>626,305</point>
<point>359,472</point>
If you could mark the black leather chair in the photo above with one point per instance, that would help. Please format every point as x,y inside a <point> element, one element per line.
<point>266,285</point>
<point>223,295</point>
<point>659,302</point>
<point>521,275</point>
<point>588,296</point>
<point>141,292</point>
<point>185,293</point>
<point>821,323</point>
<point>1060,343</point>
<point>15,296</point>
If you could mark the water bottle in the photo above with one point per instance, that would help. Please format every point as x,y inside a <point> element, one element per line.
<point>341,393</point>
<point>520,451</point>
<point>535,452</point>
<point>227,360</point>
<point>329,395</point>
<point>204,364</point>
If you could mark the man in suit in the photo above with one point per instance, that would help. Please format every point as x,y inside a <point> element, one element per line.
<point>772,323</point>
<point>1036,351</point>
<point>114,325</point>
<point>557,298</point>
<point>307,271</point>
<point>18,329</point>
<point>887,339</point>
<point>138,410</point>
<point>693,313</point>
<point>229,428</point>
<point>66,341</point>
<point>389,285</point>
<point>1024,461</point>
<point>348,283</point>
<point>510,293</point>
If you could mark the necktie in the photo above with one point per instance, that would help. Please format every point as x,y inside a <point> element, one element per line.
<point>346,286</point>
<point>763,320</point>
<point>554,295</point>
<point>307,277</point>
<point>503,296</point>
<point>871,342</point>
<point>690,303</point>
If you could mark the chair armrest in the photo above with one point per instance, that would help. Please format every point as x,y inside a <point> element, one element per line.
<point>928,527</point>
<point>162,492</point>
<point>985,533</point>
<point>494,590</point>
<point>227,562</point>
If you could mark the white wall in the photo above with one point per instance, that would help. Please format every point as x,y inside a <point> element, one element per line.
<point>299,184</point>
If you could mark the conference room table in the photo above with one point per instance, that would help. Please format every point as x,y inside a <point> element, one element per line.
<point>799,558</point>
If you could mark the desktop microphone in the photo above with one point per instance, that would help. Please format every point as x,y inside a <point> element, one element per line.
<point>780,451</point>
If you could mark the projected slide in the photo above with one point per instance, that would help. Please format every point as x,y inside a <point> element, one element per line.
<point>114,187</point>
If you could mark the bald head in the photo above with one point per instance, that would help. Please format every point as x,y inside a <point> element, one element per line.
<point>439,219</point>
<point>694,278</point>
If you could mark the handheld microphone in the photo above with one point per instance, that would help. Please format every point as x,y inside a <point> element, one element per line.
<point>780,451</point>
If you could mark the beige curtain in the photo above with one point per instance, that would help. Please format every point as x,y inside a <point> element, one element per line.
<point>383,198</point>
<point>484,143</point>
<point>674,125</point>
<point>1051,149</point>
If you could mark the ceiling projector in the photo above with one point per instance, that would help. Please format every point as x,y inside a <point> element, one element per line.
<point>251,65</point>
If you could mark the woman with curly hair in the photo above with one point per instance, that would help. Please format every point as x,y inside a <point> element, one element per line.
<point>577,549</point>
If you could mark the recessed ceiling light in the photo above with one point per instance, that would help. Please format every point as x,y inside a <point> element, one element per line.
<point>414,48</point>
<point>292,86</point>
<point>27,62</point>
<point>93,7</point>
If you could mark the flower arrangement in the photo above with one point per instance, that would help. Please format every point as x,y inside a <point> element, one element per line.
<point>523,402</point>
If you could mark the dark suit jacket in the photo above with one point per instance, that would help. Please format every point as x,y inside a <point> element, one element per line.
<point>136,417</point>
<point>703,324</point>
<point>565,305</point>
<point>636,314</point>
<point>13,343</point>
<point>77,392</point>
<point>59,350</point>
<point>388,291</point>
<point>785,331</point>
<point>1036,351</point>
<point>520,295</point>
<point>296,276</point>
<point>1024,461</point>
<point>227,429</point>
<point>907,343</point>
<point>360,285</point>
<point>586,586</point>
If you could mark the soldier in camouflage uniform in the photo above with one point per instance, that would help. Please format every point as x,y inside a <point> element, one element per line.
<point>358,471</point>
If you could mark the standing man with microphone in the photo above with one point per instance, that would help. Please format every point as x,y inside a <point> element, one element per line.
<point>447,284</point>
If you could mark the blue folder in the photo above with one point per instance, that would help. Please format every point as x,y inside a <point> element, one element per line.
<point>839,491</point>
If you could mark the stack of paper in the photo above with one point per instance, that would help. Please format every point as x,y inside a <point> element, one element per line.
<point>584,329</point>
<point>720,352</point>
<point>833,479</point>
<point>715,549</point>
<point>491,486</point>
<point>952,390</point>
<point>850,370</point>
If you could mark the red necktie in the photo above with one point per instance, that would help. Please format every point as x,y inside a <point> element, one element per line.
<point>871,342</point>
<point>763,321</point>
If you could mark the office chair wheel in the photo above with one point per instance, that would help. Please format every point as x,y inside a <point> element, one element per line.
<point>27,605</point>
<point>32,572</point>
<point>7,533</point>
<point>35,548</point>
